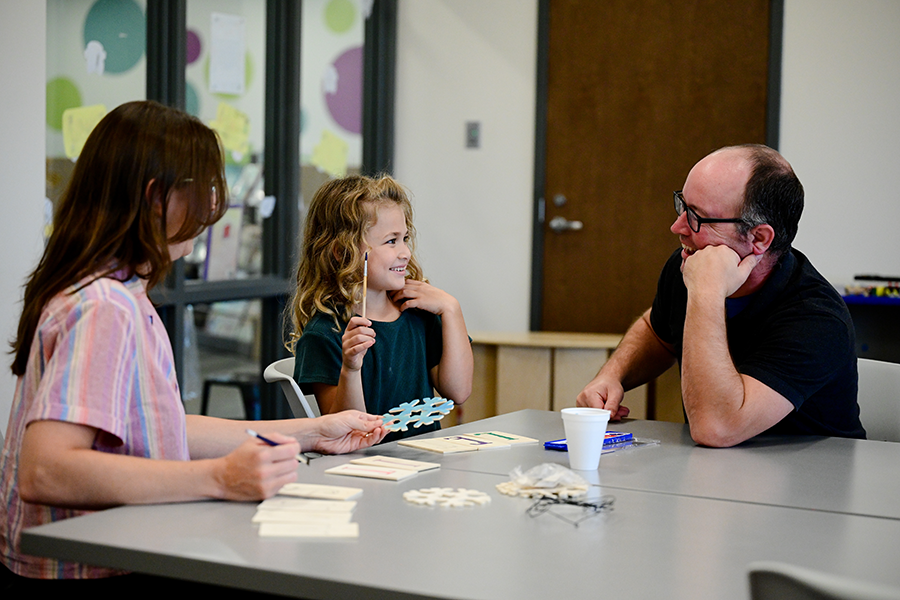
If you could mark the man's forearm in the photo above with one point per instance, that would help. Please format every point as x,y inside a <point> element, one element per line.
<point>640,357</point>
<point>712,388</point>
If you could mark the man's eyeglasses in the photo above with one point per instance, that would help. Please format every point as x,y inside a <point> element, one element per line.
<point>694,220</point>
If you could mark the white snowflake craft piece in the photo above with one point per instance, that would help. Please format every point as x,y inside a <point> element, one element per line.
<point>446,497</point>
<point>417,413</point>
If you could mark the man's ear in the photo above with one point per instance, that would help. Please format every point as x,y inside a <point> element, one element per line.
<point>761,237</point>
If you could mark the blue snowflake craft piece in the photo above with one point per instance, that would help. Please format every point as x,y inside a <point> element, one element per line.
<point>417,413</point>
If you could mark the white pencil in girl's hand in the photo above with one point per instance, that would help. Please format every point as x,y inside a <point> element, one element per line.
<point>365,282</point>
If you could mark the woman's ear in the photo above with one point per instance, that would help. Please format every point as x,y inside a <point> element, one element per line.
<point>761,237</point>
<point>153,197</point>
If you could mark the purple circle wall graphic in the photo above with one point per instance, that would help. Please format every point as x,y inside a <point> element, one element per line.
<point>345,104</point>
<point>194,46</point>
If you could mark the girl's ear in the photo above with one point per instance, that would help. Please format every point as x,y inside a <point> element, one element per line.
<point>338,252</point>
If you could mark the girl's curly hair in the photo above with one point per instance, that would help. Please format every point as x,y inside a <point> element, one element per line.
<point>329,273</point>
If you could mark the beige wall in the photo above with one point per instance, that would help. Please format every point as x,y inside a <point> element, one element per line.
<point>459,61</point>
<point>840,128</point>
<point>22,48</point>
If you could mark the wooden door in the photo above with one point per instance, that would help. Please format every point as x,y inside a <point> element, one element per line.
<point>638,91</point>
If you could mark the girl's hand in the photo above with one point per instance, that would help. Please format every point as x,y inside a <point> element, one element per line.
<point>418,294</point>
<point>357,339</point>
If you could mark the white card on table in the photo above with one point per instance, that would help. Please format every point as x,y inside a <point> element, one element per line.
<point>372,472</point>
<point>396,463</point>
<point>306,505</point>
<point>499,436</point>
<point>440,445</point>
<point>321,492</point>
<point>293,516</point>
<point>309,530</point>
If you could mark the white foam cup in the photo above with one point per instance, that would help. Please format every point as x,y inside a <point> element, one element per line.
<point>585,431</point>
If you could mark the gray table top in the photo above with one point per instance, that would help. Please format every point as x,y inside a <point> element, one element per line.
<point>835,474</point>
<point>655,543</point>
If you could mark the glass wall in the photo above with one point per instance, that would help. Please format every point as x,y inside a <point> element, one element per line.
<point>225,88</point>
<point>331,91</point>
<point>239,64</point>
<point>96,60</point>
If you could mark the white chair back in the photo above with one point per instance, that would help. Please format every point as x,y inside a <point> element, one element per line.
<point>771,580</point>
<point>282,372</point>
<point>879,399</point>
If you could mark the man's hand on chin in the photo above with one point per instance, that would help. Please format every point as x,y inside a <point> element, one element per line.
<point>717,269</point>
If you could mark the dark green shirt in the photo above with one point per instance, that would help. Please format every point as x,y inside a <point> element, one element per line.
<point>396,368</point>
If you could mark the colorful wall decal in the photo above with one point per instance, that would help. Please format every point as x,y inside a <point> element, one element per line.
<point>120,26</point>
<point>62,94</point>
<point>191,99</point>
<point>233,127</point>
<point>194,46</point>
<point>340,15</point>
<point>345,102</point>
<point>330,155</point>
<point>77,125</point>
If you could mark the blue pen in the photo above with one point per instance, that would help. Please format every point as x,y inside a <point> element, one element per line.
<point>299,456</point>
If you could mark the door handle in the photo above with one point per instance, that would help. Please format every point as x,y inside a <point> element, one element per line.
<point>562,224</point>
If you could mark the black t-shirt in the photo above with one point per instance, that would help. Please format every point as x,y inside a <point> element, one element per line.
<point>794,335</point>
<point>395,369</point>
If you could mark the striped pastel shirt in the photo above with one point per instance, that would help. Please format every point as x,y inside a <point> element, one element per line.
<point>100,357</point>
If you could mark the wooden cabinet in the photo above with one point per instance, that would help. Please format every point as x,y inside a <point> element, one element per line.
<point>542,370</point>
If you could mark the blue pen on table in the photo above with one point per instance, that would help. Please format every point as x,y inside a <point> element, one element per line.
<point>299,456</point>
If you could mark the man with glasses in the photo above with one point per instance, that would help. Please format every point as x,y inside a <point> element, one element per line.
<point>764,342</point>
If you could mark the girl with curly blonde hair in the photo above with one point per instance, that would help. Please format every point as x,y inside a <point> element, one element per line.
<point>395,339</point>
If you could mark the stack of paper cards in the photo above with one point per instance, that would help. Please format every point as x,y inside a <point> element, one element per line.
<point>280,505</point>
<point>310,530</point>
<point>469,442</point>
<point>382,467</point>
<point>300,517</point>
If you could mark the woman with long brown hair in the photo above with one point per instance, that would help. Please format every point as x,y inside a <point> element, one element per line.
<point>97,418</point>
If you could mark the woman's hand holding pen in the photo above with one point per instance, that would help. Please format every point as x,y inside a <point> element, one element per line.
<point>255,470</point>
